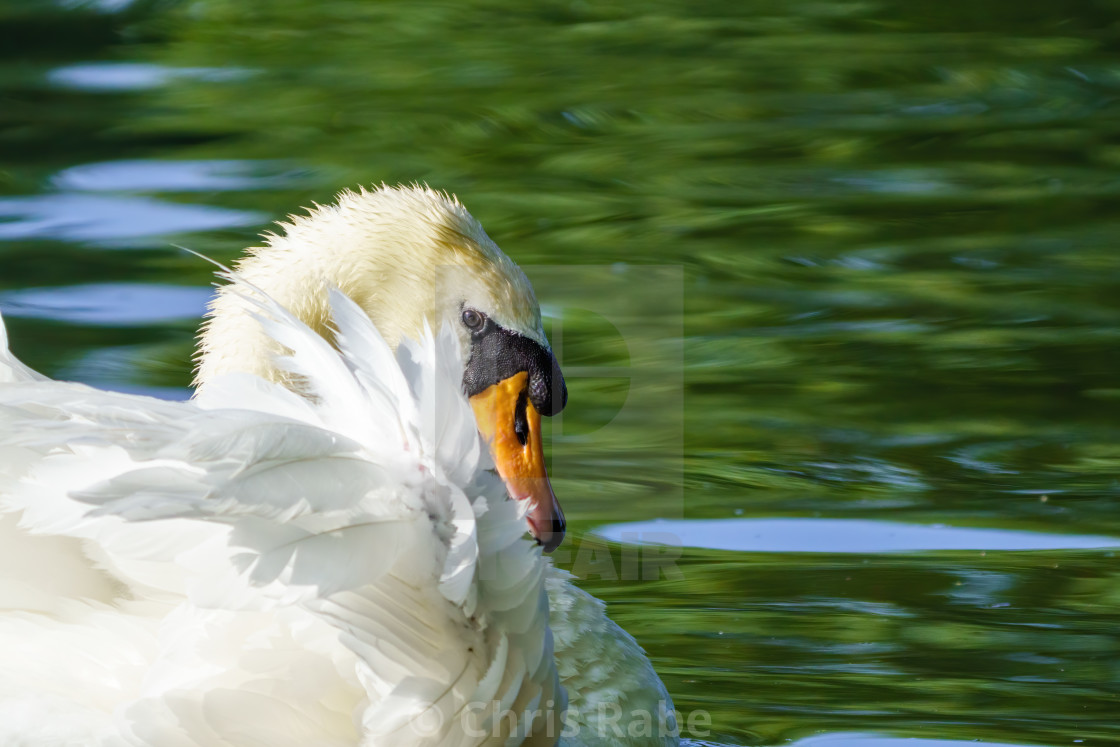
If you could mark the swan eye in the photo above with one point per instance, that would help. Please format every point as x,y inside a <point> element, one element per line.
<point>472,319</point>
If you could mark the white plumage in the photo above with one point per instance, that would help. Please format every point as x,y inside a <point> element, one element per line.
<point>260,567</point>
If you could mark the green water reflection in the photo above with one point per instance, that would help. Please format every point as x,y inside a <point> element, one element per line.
<point>893,227</point>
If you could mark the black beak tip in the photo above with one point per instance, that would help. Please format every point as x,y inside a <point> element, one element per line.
<point>558,528</point>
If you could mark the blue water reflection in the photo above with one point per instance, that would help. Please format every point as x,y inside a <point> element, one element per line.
<point>840,536</point>
<point>115,77</point>
<point>875,740</point>
<point>102,219</point>
<point>107,304</point>
<point>217,175</point>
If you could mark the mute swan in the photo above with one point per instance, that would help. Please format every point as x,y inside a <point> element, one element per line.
<point>314,550</point>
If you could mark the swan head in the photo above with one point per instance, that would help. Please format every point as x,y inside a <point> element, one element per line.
<point>410,257</point>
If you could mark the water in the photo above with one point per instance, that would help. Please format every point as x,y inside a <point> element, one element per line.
<point>859,536</point>
<point>849,266</point>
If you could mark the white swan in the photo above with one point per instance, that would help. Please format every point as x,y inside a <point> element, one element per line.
<point>313,551</point>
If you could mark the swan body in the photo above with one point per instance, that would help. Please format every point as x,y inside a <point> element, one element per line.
<point>314,550</point>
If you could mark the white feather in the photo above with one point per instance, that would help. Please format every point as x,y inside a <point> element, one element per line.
<point>260,567</point>
<point>349,523</point>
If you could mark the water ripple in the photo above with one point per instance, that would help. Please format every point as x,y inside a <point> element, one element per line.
<point>108,304</point>
<point>839,536</point>
<point>174,176</point>
<point>103,219</point>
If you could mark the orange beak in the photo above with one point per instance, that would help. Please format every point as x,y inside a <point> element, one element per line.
<point>507,419</point>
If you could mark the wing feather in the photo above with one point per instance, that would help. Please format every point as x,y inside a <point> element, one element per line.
<point>351,533</point>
